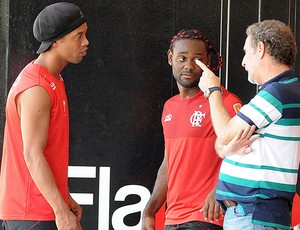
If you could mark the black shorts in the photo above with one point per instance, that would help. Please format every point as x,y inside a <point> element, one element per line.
<point>28,225</point>
<point>194,225</point>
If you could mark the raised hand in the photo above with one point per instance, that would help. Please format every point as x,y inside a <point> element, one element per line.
<point>208,78</point>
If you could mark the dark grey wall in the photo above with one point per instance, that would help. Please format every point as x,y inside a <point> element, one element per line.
<point>117,93</point>
<point>4,30</point>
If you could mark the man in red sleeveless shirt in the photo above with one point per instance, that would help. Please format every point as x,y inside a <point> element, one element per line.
<point>34,172</point>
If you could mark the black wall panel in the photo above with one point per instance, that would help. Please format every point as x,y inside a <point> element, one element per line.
<point>116,94</point>
<point>4,30</point>
<point>241,14</point>
<point>280,12</point>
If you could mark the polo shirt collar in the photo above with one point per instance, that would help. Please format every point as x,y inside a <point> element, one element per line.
<point>288,74</point>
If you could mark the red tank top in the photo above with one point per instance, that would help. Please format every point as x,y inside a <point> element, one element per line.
<point>20,199</point>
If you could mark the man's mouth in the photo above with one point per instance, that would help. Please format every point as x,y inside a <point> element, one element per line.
<point>83,52</point>
<point>187,75</point>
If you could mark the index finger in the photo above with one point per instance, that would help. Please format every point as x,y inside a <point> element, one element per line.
<point>201,65</point>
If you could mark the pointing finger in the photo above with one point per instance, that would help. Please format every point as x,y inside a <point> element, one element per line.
<point>201,65</point>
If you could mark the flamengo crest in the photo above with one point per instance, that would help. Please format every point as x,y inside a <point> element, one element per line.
<point>196,118</point>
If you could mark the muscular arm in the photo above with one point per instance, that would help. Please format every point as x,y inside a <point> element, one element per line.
<point>157,198</point>
<point>34,110</point>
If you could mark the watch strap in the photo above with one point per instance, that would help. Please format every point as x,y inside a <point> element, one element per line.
<point>212,89</point>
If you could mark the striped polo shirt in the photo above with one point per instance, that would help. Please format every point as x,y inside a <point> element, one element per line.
<point>263,182</point>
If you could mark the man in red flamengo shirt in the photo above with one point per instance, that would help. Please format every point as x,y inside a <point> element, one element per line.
<point>34,172</point>
<point>189,172</point>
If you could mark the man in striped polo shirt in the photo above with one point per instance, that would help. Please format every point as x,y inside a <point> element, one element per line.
<point>257,188</point>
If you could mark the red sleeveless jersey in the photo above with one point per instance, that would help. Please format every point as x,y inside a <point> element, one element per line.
<point>20,199</point>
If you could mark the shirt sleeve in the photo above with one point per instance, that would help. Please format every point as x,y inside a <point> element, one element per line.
<point>233,104</point>
<point>262,110</point>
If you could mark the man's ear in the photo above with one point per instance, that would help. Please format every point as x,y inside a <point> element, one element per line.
<point>208,60</point>
<point>170,56</point>
<point>54,44</point>
<point>261,48</point>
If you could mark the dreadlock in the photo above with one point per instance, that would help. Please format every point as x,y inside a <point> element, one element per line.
<point>196,34</point>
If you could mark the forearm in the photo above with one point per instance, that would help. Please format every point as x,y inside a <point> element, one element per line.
<point>44,180</point>
<point>159,192</point>
<point>155,202</point>
<point>219,115</point>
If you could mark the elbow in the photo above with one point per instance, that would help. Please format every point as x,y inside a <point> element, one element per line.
<point>219,148</point>
<point>28,157</point>
<point>221,155</point>
<point>224,138</point>
<point>32,160</point>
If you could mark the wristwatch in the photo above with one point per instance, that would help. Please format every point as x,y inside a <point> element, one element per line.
<point>210,90</point>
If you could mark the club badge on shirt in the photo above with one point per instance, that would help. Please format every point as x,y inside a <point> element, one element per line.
<point>237,107</point>
<point>196,118</point>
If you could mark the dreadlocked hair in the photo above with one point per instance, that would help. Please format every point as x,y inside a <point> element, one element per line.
<point>196,34</point>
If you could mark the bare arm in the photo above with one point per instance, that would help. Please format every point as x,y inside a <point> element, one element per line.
<point>157,198</point>
<point>34,110</point>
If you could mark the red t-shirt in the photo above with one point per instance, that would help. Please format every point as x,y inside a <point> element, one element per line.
<point>20,199</point>
<point>193,165</point>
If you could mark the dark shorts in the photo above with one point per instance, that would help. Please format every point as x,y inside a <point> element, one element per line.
<point>28,225</point>
<point>193,225</point>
